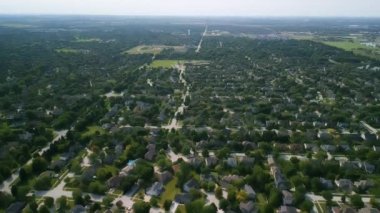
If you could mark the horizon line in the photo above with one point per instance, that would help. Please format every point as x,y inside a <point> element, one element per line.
<point>183,16</point>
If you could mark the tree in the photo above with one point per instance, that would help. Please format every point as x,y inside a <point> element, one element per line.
<point>356,201</point>
<point>78,197</point>
<point>306,206</point>
<point>167,205</point>
<point>209,209</point>
<point>5,200</point>
<point>62,204</point>
<point>205,153</point>
<point>141,207</point>
<point>219,192</point>
<point>223,204</point>
<point>23,175</point>
<point>39,165</point>
<point>275,198</point>
<point>242,196</point>
<point>49,202</point>
<point>43,209</point>
<point>327,195</point>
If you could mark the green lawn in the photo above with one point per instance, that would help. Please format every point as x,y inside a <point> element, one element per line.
<point>70,51</point>
<point>163,63</point>
<point>170,191</point>
<point>153,49</point>
<point>346,45</point>
<point>171,63</point>
<point>91,130</point>
<point>87,40</point>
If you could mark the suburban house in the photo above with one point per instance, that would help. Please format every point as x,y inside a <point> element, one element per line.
<point>287,198</point>
<point>248,207</point>
<point>156,189</point>
<point>287,209</point>
<point>250,192</point>
<point>191,184</point>
<point>344,184</point>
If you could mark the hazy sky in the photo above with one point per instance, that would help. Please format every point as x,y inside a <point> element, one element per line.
<point>195,7</point>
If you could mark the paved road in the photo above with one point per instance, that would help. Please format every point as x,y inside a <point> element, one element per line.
<point>174,123</point>
<point>200,42</point>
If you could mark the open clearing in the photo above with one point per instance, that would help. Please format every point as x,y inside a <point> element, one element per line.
<point>87,40</point>
<point>72,51</point>
<point>346,45</point>
<point>153,49</point>
<point>172,63</point>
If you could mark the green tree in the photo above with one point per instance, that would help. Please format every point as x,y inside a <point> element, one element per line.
<point>356,201</point>
<point>141,207</point>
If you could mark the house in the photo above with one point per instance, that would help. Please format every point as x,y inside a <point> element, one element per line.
<point>249,145</point>
<point>248,207</point>
<point>287,198</point>
<point>191,184</point>
<point>232,178</point>
<point>324,135</point>
<point>156,189</point>
<point>246,161</point>
<point>344,147</point>
<point>344,184</point>
<point>335,209</point>
<point>195,161</point>
<point>250,192</point>
<point>376,148</point>
<point>164,177</point>
<point>287,209</point>
<point>114,182</point>
<point>78,209</point>
<point>26,136</point>
<point>231,162</point>
<point>279,179</point>
<point>16,207</point>
<point>57,164</point>
<point>347,209</point>
<point>364,184</point>
<point>367,167</point>
<point>368,210</point>
<point>327,184</point>
<point>211,161</point>
<point>328,148</point>
<point>370,137</point>
<point>183,198</point>
<point>360,147</point>
<point>311,147</point>
<point>149,155</point>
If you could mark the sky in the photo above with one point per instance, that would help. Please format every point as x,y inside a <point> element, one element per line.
<point>345,8</point>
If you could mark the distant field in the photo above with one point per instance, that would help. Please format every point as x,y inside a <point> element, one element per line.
<point>71,51</point>
<point>171,63</point>
<point>15,25</point>
<point>153,49</point>
<point>87,40</point>
<point>346,45</point>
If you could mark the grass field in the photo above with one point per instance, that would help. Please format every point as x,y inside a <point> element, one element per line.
<point>170,191</point>
<point>71,51</point>
<point>87,40</point>
<point>153,49</point>
<point>171,63</point>
<point>163,63</point>
<point>346,45</point>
